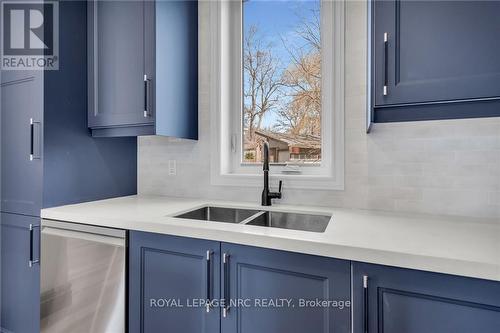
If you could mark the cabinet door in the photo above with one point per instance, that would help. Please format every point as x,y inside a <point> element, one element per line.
<point>401,300</point>
<point>116,31</point>
<point>167,275</point>
<point>20,282</point>
<point>21,138</point>
<point>436,51</point>
<point>259,276</point>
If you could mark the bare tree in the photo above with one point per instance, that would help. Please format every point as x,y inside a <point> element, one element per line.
<point>302,77</point>
<point>262,80</point>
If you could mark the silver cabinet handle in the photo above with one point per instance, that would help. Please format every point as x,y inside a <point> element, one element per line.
<point>32,261</point>
<point>386,63</point>
<point>365,303</point>
<point>209,279</point>
<point>226,299</point>
<point>32,140</point>
<point>147,81</point>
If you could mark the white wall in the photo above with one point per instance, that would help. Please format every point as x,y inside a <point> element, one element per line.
<point>439,167</point>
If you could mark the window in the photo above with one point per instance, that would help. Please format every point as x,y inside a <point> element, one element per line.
<point>282,81</point>
<point>277,77</point>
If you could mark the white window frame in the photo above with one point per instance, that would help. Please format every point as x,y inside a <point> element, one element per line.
<point>226,103</point>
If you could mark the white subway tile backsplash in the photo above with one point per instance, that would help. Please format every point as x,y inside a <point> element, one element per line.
<point>407,193</point>
<point>494,198</point>
<point>431,181</point>
<point>479,157</point>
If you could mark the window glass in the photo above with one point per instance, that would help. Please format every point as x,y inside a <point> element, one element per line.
<point>282,81</point>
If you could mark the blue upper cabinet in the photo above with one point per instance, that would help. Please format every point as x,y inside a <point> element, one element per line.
<point>117,64</point>
<point>177,68</point>
<point>180,270</point>
<point>395,300</point>
<point>435,59</point>
<point>143,68</point>
<point>255,274</point>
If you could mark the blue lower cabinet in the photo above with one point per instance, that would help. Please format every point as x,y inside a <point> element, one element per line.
<point>20,273</point>
<point>267,290</point>
<point>252,290</point>
<point>169,277</point>
<point>396,300</point>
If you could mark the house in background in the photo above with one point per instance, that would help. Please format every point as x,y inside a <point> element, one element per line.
<point>283,147</point>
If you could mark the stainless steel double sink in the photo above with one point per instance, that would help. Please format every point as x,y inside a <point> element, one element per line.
<point>262,218</point>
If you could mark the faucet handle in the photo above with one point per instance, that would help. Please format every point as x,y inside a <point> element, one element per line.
<point>278,195</point>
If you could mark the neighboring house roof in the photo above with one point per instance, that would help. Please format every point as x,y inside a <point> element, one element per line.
<point>300,141</point>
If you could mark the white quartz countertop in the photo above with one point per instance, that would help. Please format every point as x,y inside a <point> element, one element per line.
<point>461,246</point>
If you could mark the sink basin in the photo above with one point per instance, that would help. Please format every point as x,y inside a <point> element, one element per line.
<point>219,214</point>
<point>262,218</point>
<point>295,221</point>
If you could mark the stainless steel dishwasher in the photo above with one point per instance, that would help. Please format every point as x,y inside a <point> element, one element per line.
<point>82,278</point>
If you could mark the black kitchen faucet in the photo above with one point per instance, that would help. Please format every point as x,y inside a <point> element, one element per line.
<point>266,194</point>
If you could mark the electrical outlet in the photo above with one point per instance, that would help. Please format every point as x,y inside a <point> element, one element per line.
<point>172,167</point>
